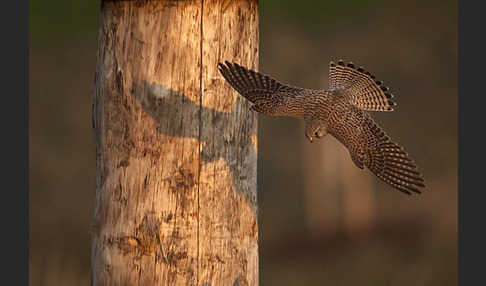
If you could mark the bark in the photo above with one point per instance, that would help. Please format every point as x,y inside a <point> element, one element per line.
<point>176,147</point>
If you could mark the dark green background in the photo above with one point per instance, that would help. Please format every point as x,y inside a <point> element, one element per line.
<point>411,45</point>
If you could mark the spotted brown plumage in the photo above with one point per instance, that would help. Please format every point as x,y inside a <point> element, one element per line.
<point>340,111</point>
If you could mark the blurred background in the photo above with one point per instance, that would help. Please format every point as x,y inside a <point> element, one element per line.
<point>321,220</point>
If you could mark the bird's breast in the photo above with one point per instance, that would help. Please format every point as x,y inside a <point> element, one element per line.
<point>345,123</point>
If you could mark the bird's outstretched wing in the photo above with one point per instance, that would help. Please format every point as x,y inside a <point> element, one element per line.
<point>360,85</point>
<point>268,94</point>
<point>387,160</point>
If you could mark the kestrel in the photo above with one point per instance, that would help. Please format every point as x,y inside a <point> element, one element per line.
<point>341,111</point>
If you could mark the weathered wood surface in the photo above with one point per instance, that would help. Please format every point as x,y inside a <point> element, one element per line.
<point>176,147</point>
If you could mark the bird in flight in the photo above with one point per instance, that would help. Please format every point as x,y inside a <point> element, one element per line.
<point>341,111</point>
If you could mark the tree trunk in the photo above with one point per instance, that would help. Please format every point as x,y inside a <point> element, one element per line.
<point>176,146</point>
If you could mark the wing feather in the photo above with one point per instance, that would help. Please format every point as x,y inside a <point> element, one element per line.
<point>389,162</point>
<point>269,95</point>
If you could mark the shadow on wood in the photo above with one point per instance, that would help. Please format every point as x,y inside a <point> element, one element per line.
<point>157,100</point>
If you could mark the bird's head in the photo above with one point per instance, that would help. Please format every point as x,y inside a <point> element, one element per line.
<point>317,132</point>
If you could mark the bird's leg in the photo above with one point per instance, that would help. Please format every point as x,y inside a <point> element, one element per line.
<point>357,159</point>
<point>321,132</point>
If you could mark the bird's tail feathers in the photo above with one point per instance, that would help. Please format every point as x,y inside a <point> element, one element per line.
<point>364,90</point>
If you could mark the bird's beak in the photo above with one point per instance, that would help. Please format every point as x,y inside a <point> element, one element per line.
<point>310,139</point>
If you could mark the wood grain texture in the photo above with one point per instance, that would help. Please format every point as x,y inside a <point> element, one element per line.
<point>176,147</point>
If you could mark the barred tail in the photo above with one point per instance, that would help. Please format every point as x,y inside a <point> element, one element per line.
<point>364,90</point>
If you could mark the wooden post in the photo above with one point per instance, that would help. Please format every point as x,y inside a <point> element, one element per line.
<point>176,147</point>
